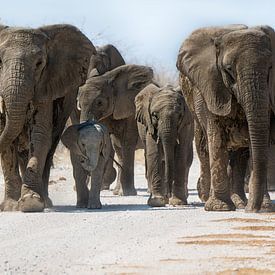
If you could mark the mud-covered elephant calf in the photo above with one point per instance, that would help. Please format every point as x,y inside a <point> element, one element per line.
<point>91,143</point>
<point>166,128</point>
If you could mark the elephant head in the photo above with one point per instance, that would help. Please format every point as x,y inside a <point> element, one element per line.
<point>112,94</point>
<point>88,141</point>
<point>233,65</point>
<point>164,113</point>
<point>106,59</point>
<point>38,65</point>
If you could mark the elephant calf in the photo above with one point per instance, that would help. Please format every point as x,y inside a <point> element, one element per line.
<point>165,126</point>
<point>91,143</point>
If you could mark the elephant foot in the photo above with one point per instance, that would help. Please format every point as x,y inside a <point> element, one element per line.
<point>128,192</point>
<point>48,202</point>
<point>253,205</point>
<point>215,204</point>
<point>105,186</point>
<point>94,204</point>
<point>30,201</point>
<point>82,204</point>
<point>174,201</point>
<point>9,205</point>
<point>157,201</point>
<point>238,201</point>
<point>266,204</point>
<point>203,194</point>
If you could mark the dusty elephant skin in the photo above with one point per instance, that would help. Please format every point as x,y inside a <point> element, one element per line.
<point>106,59</point>
<point>226,75</point>
<point>41,71</point>
<point>91,143</point>
<point>110,97</point>
<point>166,128</point>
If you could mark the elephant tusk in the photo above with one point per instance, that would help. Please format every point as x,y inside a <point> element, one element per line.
<point>178,141</point>
<point>1,105</point>
<point>158,140</point>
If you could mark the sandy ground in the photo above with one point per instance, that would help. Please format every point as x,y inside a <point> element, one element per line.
<point>128,237</point>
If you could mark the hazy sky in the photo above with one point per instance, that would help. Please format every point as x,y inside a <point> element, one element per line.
<point>146,31</point>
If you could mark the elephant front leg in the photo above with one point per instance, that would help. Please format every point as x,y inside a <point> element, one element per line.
<point>12,179</point>
<point>204,180</point>
<point>238,163</point>
<point>40,141</point>
<point>110,172</point>
<point>96,182</point>
<point>80,177</point>
<point>219,199</point>
<point>158,192</point>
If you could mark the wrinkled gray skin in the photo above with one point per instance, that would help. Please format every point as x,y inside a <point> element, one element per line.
<point>226,78</point>
<point>40,73</point>
<point>110,97</point>
<point>106,59</point>
<point>91,143</point>
<point>166,128</point>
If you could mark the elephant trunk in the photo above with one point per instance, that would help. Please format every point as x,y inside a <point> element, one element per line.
<point>168,138</point>
<point>255,103</point>
<point>16,96</point>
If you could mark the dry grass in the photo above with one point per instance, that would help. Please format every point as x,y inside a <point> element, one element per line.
<point>228,236</point>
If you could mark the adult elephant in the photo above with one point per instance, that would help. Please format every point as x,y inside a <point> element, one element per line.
<point>106,59</point>
<point>226,74</point>
<point>166,128</point>
<point>41,71</point>
<point>110,97</point>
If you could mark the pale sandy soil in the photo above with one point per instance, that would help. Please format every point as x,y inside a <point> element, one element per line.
<point>128,237</point>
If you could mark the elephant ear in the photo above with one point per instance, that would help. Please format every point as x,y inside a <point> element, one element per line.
<point>127,82</point>
<point>68,56</point>
<point>197,60</point>
<point>106,146</point>
<point>271,34</point>
<point>70,140</point>
<point>115,58</point>
<point>143,102</point>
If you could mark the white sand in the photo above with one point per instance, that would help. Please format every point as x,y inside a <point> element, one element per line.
<point>128,237</point>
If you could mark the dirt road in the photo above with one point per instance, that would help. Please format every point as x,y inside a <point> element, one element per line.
<point>127,237</point>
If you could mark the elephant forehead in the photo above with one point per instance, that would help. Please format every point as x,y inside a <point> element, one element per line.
<point>23,37</point>
<point>89,134</point>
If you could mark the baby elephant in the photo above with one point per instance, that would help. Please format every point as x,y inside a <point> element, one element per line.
<point>90,142</point>
<point>165,126</point>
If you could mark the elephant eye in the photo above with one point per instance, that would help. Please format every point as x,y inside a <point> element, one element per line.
<point>99,103</point>
<point>155,115</point>
<point>229,70</point>
<point>38,64</point>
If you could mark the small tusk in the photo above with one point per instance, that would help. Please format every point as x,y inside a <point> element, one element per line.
<point>1,105</point>
<point>178,141</point>
<point>158,140</point>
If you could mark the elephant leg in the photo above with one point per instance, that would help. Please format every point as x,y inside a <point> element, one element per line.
<point>238,163</point>
<point>204,180</point>
<point>80,177</point>
<point>158,192</point>
<point>183,161</point>
<point>219,199</point>
<point>62,109</point>
<point>126,158</point>
<point>41,138</point>
<point>96,182</point>
<point>110,172</point>
<point>12,179</point>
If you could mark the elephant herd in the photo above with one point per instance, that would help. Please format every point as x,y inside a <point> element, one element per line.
<point>225,101</point>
